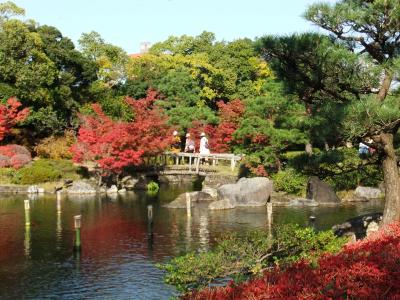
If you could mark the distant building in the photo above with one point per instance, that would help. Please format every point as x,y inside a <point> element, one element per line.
<point>144,48</point>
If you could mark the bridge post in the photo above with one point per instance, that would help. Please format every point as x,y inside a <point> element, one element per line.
<point>190,162</point>
<point>233,163</point>
<point>198,163</point>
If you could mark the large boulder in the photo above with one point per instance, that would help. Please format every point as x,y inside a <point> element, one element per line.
<point>81,187</point>
<point>222,204</point>
<point>321,192</point>
<point>367,193</point>
<point>195,197</point>
<point>246,192</point>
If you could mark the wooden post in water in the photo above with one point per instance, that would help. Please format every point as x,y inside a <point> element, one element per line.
<point>188,205</point>
<point>77,225</point>
<point>150,213</point>
<point>58,202</point>
<point>27,214</point>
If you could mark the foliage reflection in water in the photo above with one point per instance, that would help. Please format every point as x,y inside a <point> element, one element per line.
<point>119,246</point>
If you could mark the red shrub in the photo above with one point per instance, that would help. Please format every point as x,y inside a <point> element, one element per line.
<point>4,161</point>
<point>20,160</point>
<point>15,156</point>
<point>367,269</point>
<point>12,149</point>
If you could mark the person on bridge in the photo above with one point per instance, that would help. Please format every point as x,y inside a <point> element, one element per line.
<point>176,143</point>
<point>189,145</point>
<point>204,146</point>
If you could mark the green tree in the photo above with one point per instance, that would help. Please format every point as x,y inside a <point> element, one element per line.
<point>373,28</point>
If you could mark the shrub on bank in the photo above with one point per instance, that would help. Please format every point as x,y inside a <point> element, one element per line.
<point>240,257</point>
<point>290,181</point>
<point>15,156</point>
<point>45,170</point>
<point>54,147</point>
<point>367,269</point>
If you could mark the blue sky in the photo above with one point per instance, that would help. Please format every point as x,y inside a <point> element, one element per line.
<point>128,23</point>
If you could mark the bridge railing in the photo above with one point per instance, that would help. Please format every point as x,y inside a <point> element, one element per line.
<point>194,159</point>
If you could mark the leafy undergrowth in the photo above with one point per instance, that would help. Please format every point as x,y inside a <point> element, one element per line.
<point>367,269</point>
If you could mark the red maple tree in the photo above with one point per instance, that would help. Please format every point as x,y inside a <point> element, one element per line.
<point>220,137</point>
<point>10,114</point>
<point>114,145</point>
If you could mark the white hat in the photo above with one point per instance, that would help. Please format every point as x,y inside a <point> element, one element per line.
<point>175,132</point>
<point>202,134</point>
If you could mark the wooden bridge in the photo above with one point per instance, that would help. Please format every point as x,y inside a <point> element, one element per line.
<point>192,163</point>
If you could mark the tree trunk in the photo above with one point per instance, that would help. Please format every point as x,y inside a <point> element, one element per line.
<point>384,89</point>
<point>392,181</point>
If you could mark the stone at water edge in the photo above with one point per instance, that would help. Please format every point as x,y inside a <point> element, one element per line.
<point>112,190</point>
<point>254,191</point>
<point>81,187</point>
<point>211,191</point>
<point>366,192</point>
<point>321,192</point>
<point>195,197</point>
<point>221,204</point>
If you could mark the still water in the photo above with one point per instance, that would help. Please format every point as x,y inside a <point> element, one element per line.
<point>119,247</point>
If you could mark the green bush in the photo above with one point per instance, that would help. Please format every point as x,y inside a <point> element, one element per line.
<point>44,170</point>
<point>6,175</point>
<point>240,257</point>
<point>290,181</point>
<point>342,168</point>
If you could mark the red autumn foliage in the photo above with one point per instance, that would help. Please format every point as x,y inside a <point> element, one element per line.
<point>367,269</point>
<point>114,145</point>
<point>220,137</point>
<point>15,156</point>
<point>10,114</point>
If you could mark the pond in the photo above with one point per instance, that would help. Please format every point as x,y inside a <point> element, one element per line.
<point>119,247</point>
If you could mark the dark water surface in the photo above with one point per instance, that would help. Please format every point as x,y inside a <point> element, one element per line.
<point>119,247</point>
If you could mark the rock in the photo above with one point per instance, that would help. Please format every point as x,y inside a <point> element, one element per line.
<point>211,191</point>
<point>122,191</point>
<point>254,191</point>
<point>81,187</point>
<point>217,180</point>
<point>195,197</point>
<point>302,202</point>
<point>128,182</point>
<point>40,190</point>
<point>222,204</point>
<point>372,227</point>
<point>321,192</point>
<point>112,190</point>
<point>358,225</point>
<point>365,192</point>
<point>102,190</point>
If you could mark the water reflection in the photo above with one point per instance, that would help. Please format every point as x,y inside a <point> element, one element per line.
<point>122,239</point>
<point>59,224</point>
<point>203,231</point>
